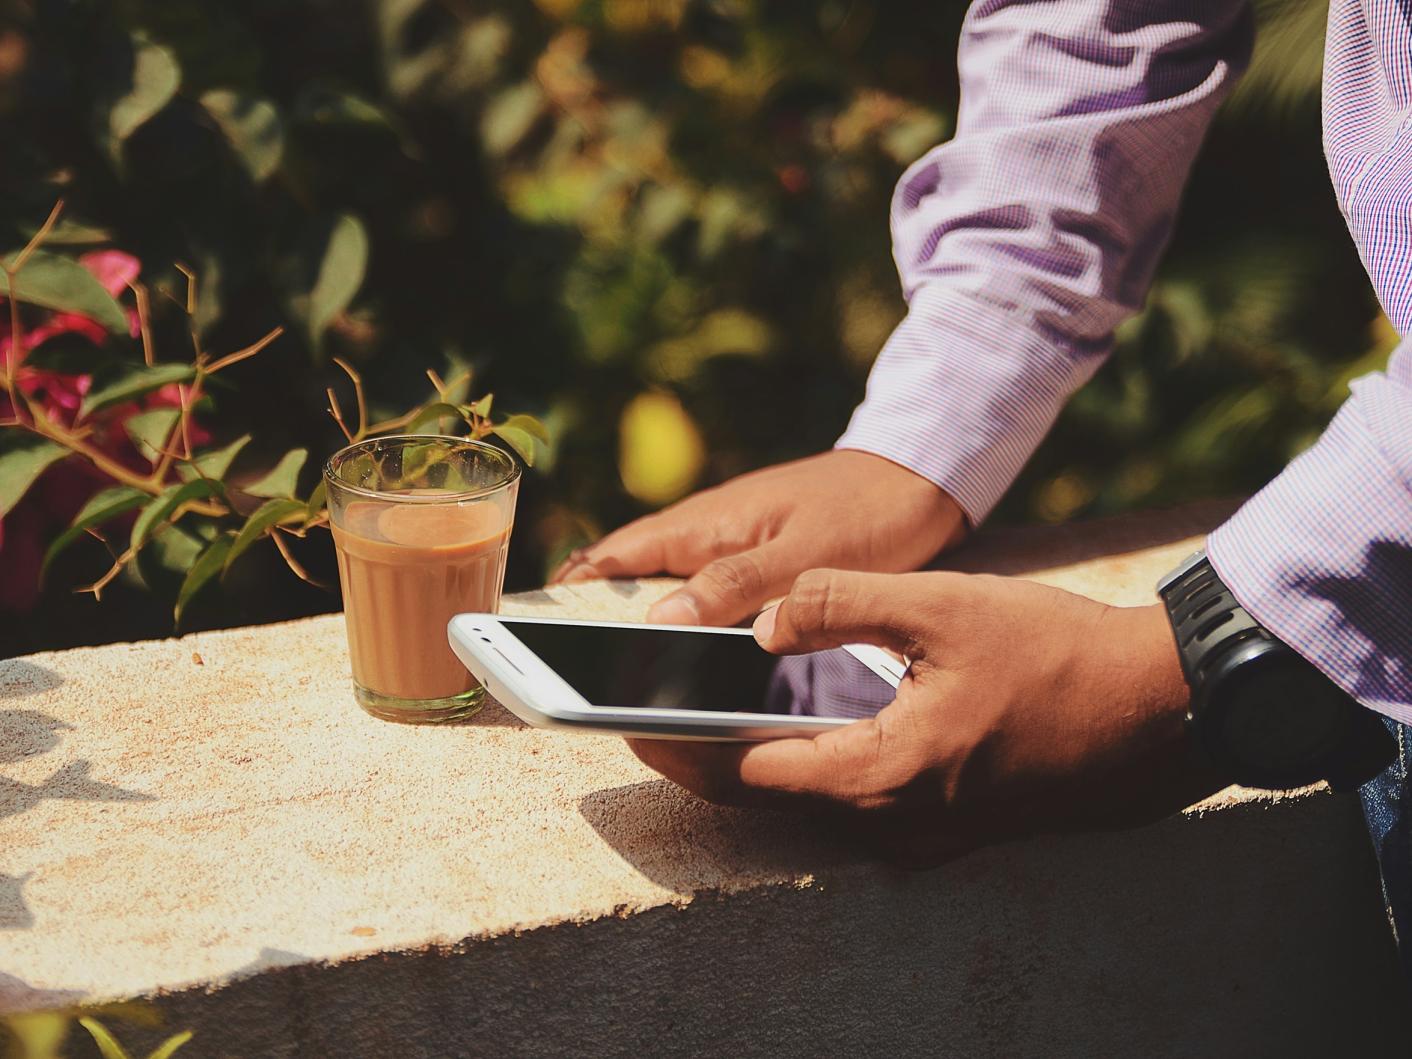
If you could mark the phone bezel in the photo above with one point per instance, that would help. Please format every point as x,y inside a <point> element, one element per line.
<point>532,690</point>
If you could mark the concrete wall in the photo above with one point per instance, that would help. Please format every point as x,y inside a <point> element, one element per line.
<point>1251,931</point>
<point>210,826</point>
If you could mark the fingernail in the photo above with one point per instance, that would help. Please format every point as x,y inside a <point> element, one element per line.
<point>764,626</point>
<point>677,609</point>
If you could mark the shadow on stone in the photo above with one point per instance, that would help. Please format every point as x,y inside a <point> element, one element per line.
<point>25,733</point>
<point>689,845</point>
<point>537,596</point>
<point>14,911</point>
<point>19,678</point>
<point>493,715</point>
<point>70,783</point>
<point>267,959</point>
<point>18,995</point>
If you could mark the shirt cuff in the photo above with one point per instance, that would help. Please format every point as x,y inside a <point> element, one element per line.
<point>1322,556</point>
<point>963,392</point>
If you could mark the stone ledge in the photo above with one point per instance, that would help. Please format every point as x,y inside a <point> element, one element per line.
<point>211,819</point>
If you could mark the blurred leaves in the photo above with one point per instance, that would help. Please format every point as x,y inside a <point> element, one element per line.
<point>60,283</point>
<point>252,126</point>
<point>139,79</point>
<point>340,261</point>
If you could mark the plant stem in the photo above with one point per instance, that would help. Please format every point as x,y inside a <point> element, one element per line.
<point>46,427</point>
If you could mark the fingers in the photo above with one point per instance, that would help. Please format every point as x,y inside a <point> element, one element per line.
<point>829,608</point>
<point>730,588</point>
<point>841,769</point>
<point>654,544</point>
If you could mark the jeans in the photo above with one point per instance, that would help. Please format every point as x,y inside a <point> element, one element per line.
<point>1387,806</point>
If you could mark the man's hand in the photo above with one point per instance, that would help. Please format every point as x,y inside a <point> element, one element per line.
<point>1025,709</point>
<point>742,543</point>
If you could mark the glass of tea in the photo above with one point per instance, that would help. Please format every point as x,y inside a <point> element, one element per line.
<point>422,526</point>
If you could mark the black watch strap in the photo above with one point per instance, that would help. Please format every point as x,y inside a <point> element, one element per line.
<point>1199,605</point>
<point>1211,628</point>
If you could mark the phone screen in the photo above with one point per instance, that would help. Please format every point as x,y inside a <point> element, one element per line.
<point>668,669</point>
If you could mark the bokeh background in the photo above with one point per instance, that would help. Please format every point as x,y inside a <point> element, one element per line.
<point>661,225</point>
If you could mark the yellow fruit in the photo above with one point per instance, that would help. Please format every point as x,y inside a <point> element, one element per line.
<point>660,451</point>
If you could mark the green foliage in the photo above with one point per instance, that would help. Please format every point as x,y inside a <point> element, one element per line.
<point>102,507</point>
<point>283,478</point>
<point>268,514</point>
<point>661,228</point>
<point>23,458</point>
<point>59,283</point>
<point>127,382</point>
<point>42,1034</point>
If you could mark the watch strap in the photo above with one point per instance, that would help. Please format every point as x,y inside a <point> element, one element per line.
<point>1206,617</point>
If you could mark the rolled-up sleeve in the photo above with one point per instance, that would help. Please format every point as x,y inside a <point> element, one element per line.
<point>1322,556</point>
<point>1027,238</point>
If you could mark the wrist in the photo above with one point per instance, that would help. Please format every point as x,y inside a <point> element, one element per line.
<point>922,504</point>
<point>1163,682</point>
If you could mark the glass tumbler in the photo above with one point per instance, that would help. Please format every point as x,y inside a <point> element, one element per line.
<point>422,527</point>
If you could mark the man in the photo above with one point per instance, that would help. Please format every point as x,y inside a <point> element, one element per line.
<point>1021,244</point>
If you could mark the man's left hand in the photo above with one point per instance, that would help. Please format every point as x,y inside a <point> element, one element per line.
<point>1025,709</point>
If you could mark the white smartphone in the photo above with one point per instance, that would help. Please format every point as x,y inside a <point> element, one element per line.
<point>668,681</point>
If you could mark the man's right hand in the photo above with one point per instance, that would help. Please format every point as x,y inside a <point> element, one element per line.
<point>744,542</point>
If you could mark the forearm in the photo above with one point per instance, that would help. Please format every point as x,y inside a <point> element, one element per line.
<point>1323,555</point>
<point>1023,242</point>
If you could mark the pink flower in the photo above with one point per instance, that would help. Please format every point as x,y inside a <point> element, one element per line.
<point>54,501</point>
<point>112,268</point>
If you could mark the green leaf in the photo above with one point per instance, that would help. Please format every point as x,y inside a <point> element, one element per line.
<point>251,125</point>
<point>283,479</point>
<point>340,274</point>
<point>150,430</point>
<point>208,564</point>
<point>161,566</point>
<point>141,83</point>
<point>23,458</point>
<point>317,501</point>
<point>171,1044</point>
<point>59,283</point>
<point>482,407</point>
<point>509,116</point>
<point>268,514</point>
<point>107,1044</point>
<point>108,504</point>
<point>522,441</point>
<point>326,106</point>
<point>433,414</point>
<point>530,425</point>
<point>160,508</point>
<point>36,1034</point>
<point>70,233</point>
<point>213,464</point>
<point>131,383</point>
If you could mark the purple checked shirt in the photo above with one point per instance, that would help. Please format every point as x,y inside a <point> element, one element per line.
<point>1026,239</point>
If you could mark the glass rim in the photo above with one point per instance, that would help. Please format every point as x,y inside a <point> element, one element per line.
<point>509,478</point>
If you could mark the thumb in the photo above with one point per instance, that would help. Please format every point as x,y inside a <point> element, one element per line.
<point>730,588</point>
<point>829,608</point>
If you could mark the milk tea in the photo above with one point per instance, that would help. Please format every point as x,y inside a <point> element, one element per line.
<point>406,569</point>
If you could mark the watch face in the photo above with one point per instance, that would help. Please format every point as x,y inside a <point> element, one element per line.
<point>1281,719</point>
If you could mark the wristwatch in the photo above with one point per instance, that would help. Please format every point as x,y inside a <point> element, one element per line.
<point>1261,712</point>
